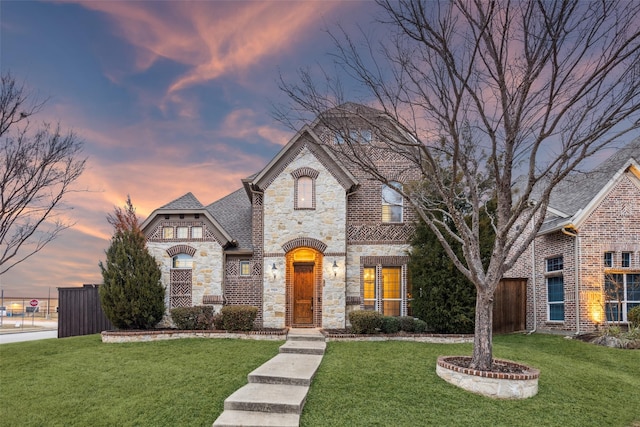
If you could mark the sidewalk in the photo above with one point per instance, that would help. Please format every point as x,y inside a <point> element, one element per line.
<point>17,325</point>
<point>277,390</point>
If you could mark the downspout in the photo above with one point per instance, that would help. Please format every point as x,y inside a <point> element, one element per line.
<point>533,276</point>
<point>577,282</point>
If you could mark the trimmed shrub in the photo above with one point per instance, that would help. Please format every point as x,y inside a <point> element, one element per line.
<point>192,318</point>
<point>390,325</point>
<point>238,317</point>
<point>420,326</point>
<point>634,317</point>
<point>407,323</point>
<point>218,322</point>
<point>365,322</point>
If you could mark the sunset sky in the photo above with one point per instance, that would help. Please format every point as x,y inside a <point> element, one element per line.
<point>169,97</point>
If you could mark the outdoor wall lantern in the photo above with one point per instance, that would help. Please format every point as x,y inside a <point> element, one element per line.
<point>274,271</point>
<point>335,268</point>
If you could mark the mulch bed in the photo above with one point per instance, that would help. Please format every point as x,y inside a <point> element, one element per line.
<point>502,367</point>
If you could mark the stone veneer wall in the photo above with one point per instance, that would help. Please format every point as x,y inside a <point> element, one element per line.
<point>283,223</point>
<point>206,273</point>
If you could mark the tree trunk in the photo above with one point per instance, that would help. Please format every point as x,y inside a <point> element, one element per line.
<point>483,339</point>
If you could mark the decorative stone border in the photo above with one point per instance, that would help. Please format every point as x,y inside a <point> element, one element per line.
<point>145,336</point>
<point>428,338</point>
<point>492,384</point>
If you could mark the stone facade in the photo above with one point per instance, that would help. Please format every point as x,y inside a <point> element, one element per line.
<point>310,207</point>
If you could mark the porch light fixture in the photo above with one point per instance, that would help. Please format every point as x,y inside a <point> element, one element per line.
<point>274,271</point>
<point>335,268</point>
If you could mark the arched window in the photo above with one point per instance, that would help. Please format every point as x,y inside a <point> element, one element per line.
<point>182,261</point>
<point>391,203</point>
<point>304,187</point>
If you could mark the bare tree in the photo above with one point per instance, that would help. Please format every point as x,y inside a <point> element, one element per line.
<point>37,170</point>
<point>481,92</point>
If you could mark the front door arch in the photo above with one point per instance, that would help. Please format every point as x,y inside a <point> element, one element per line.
<point>304,293</point>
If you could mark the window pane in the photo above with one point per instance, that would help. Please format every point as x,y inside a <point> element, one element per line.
<point>391,291</point>
<point>391,213</point>
<point>626,259</point>
<point>245,268</point>
<point>391,308</point>
<point>305,192</point>
<point>614,286</point>
<point>369,288</point>
<point>555,289</point>
<point>196,232</point>
<point>554,264</point>
<point>391,203</point>
<point>613,314</point>
<point>182,261</point>
<point>608,259</point>
<point>556,311</point>
<point>182,232</point>
<point>633,287</point>
<point>167,232</point>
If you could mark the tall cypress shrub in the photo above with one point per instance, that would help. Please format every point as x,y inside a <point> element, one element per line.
<point>132,296</point>
<point>442,296</point>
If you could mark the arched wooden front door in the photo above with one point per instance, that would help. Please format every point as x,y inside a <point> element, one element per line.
<point>303,284</point>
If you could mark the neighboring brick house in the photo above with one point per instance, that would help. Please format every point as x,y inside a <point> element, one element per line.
<point>583,269</point>
<point>306,240</point>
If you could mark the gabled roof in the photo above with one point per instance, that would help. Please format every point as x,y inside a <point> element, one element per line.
<point>304,137</point>
<point>233,212</point>
<point>575,197</point>
<point>188,204</point>
<point>188,201</point>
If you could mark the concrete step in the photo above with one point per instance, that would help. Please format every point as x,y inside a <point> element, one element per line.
<point>287,369</point>
<point>304,347</point>
<point>271,398</point>
<point>305,335</point>
<point>256,419</point>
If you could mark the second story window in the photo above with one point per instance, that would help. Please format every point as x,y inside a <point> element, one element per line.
<point>182,232</point>
<point>391,203</point>
<point>167,232</point>
<point>608,259</point>
<point>304,192</point>
<point>626,259</point>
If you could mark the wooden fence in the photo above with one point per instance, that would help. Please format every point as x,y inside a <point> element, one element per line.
<point>510,306</point>
<point>80,312</point>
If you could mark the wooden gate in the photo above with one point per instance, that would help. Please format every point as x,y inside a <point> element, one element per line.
<point>510,306</point>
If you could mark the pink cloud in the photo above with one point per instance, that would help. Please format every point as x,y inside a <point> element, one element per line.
<point>213,38</point>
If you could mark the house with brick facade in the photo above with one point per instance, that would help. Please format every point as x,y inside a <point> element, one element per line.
<point>583,268</point>
<point>307,239</point>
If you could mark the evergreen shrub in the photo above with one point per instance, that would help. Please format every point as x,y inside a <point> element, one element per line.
<point>390,325</point>
<point>420,326</point>
<point>193,318</point>
<point>132,296</point>
<point>634,317</point>
<point>407,323</point>
<point>238,317</point>
<point>365,322</point>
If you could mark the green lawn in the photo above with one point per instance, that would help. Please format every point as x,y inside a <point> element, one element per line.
<point>83,382</point>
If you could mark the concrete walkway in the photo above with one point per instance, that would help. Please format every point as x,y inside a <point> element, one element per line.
<point>277,390</point>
